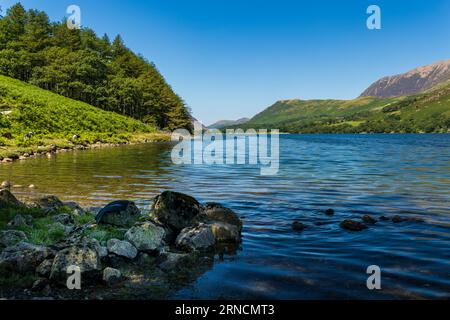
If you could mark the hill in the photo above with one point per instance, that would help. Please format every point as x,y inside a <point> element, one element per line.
<point>412,82</point>
<point>425,112</point>
<point>54,120</point>
<point>226,123</point>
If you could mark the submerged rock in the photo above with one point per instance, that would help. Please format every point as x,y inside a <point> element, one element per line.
<point>352,225</point>
<point>120,213</point>
<point>368,219</point>
<point>329,212</point>
<point>298,226</point>
<point>200,238</point>
<point>85,258</point>
<point>122,248</point>
<point>111,276</point>
<point>175,210</point>
<point>146,236</point>
<point>24,257</point>
<point>398,219</point>
<point>11,237</point>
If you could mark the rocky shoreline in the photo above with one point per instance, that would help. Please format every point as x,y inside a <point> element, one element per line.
<point>121,253</point>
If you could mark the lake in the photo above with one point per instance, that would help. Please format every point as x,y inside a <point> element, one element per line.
<point>406,175</point>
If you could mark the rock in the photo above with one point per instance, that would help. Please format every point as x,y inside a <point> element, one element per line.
<point>59,226</point>
<point>352,225</point>
<point>111,276</point>
<point>329,212</point>
<point>368,219</point>
<point>122,248</point>
<point>200,238</point>
<point>24,257</point>
<point>5,185</point>
<point>21,221</point>
<point>298,226</point>
<point>84,257</point>
<point>146,237</point>
<point>45,268</point>
<point>31,186</point>
<point>7,160</point>
<point>49,204</point>
<point>174,261</point>
<point>398,219</point>
<point>11,237</point>
<point>64,219</point>
<point>41,285</point>
<point>225,232</point>
<point>119,213</point>
<point>7,199</point>
<point>217,212</point>
<point>101,250</point>
<point>75,207</point>
<point>175,210</point>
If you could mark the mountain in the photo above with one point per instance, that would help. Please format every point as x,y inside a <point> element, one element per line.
<point>426,112</point>
<point>412,82</point>
<point>54,120</point>
<point>227,123</point>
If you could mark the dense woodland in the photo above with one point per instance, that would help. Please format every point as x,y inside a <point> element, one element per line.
<point>80,65</point>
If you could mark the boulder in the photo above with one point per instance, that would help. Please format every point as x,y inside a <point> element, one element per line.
<point>175,210</point>
<point>7,199</point>
<point>49,204</point>
<point>217,212</point>
<point>352,225</point>
<point>146,236</point>
<point>174,261</point>
<point>64,219</point>
<point>199,238</point>
<point>122,248</point>
<point>298,226</point>
<point>24,257</point>
<point>111,276</point>
<point>11,237</point>
<point>84,257</point>
<point>225,232</point>
<point>45,268</point>
<point>119,213</point>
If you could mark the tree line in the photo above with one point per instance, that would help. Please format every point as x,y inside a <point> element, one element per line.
<point>78,64</point>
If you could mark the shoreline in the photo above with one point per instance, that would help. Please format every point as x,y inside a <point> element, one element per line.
<point>15,154</point>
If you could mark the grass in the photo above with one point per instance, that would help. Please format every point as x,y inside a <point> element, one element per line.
<point>55,120</point>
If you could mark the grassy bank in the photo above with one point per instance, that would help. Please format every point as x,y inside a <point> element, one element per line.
<point>57,122</point>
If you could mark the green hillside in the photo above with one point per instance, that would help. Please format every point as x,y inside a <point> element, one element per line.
<point>426,112</point>
<point>55,119</point>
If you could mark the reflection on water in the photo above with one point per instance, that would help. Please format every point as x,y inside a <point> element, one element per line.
<point>353,174</point>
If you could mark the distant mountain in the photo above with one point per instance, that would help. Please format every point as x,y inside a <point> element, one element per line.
<point>412,82</point>
<point>227,123</point>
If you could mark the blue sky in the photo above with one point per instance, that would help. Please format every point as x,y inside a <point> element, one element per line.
<point>232,58</point>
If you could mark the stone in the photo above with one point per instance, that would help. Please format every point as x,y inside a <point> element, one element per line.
<point>101,250</point>
<point>49,204</point>
<point>77,210</point>
<point>7,199</point>
<point>329,212</point>
<point>45,268</point>
<point>217,212</point>
<point>84,257</point>
<point>146,237</point>
<point>24,257</point>
<point>11,237</point>
<point>64,219</point>
<point>368,219</point>
<point>111,276</point>
<point>122,248</point>
<point>352,225</point>
<point>59,226</point>
<point>225,232</point>
<point>200,238</point>
<point>119,213</point>
<point>398,219</point>
<point>174,261</point>
<point>298,226</point>
<point>175,210</point>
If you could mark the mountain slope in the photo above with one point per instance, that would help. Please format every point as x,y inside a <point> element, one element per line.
<point>412,82</point>
<point>55,119</point>
<point>425,112</point>
<point>226,123</point>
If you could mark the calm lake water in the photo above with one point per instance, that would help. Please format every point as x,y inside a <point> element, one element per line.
<point>408,175</point>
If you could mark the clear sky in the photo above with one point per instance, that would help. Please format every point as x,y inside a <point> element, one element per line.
<point>233,58</point>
